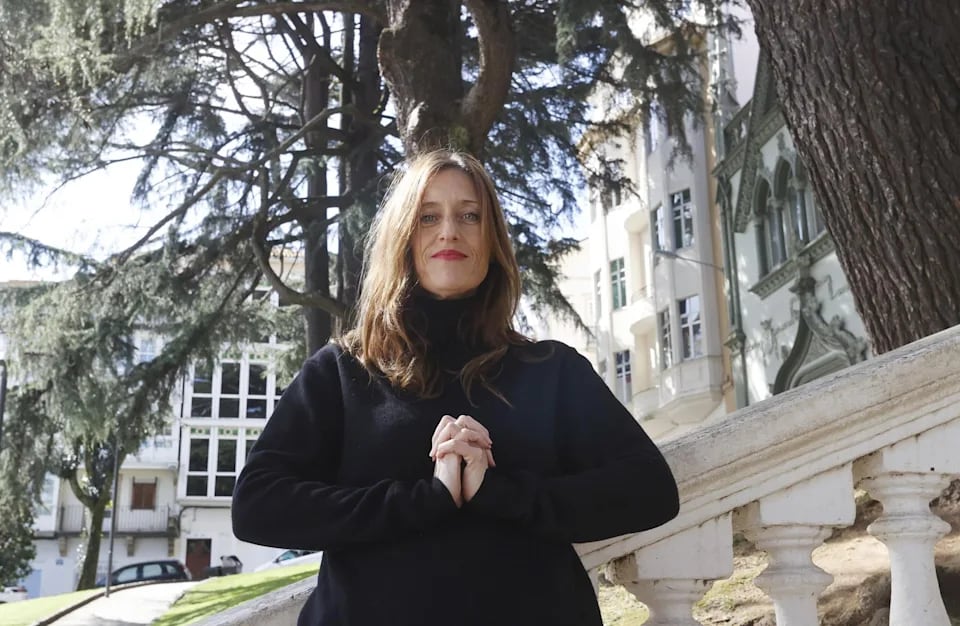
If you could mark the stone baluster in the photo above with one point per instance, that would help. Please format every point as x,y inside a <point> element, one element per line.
<point>671,575</point>
<point>905,477</point>
<point>788,525</point>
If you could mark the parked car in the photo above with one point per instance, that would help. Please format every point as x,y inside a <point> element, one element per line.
<point>13,594</point>
<point>165,569</point>
<point>229,564</point>
<point>291,557</point>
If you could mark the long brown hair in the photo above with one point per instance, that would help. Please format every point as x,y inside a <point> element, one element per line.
<point>382,338</point>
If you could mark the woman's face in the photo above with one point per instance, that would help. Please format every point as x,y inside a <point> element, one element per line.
<point>450,253</point>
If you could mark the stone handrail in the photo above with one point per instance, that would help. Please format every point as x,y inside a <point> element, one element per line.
<point>794,436</point>
<point>784,471</point>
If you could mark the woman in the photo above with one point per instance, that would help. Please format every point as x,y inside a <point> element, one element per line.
<point>443,462</point>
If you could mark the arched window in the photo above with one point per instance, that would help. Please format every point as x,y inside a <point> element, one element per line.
<point>782,207</point>
<point>771,231</point>
<point>776,234</point>
<point>804,205</point>
<point>760,210</point>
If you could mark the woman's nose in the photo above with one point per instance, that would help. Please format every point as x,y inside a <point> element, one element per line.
<point>449,229</point>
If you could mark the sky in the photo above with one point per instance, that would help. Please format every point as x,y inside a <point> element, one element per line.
<point>93,215</point>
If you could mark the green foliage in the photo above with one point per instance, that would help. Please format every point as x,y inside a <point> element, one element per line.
<point>16,537</point>
<point>81,386</point>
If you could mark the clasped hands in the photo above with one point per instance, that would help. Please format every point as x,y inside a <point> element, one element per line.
<point>461,450</point>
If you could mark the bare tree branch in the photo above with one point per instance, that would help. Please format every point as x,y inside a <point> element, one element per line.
<point>314,299</point>
<point>221,173</point>
<point>226,10</point>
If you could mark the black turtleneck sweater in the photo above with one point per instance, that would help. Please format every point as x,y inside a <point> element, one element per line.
<point>343,466</point>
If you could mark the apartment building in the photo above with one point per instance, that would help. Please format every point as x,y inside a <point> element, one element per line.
<point>715,283</point>
<point>654,249</point>
<point>174,493</point>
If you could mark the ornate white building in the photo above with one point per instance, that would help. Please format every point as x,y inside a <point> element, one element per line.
<point>792,314</point>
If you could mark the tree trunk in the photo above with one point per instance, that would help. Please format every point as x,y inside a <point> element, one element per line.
<point>360,166</point>
<point>94,494</point>
<point>871,94</point>
<point>88,571</point>
<point>421,57</point>
<point>316,98</point>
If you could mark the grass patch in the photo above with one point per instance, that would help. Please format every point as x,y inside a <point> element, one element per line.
<point>29,611</point>
<point>619,607</point>
<point>219,594</point>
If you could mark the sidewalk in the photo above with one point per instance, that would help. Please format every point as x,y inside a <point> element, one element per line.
<point>133,606</point>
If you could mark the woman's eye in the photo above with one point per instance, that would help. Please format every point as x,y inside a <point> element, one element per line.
<point>428,218</point>
<point>471,218</point>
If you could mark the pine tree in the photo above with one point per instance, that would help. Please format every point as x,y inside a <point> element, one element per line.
<point>250,106</point>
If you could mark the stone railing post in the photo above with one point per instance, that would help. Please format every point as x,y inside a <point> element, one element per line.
<point>905,477</point>
<point>671,575</point>
<point>788,525</point>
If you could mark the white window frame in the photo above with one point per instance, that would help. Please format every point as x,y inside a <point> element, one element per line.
<point>623,381</point>
<point>691,327</point>
<point>666,339</point>
<point>681,213</point>
<point>618,283</point>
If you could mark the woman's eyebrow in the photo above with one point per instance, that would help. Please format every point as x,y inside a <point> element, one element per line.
<point>462,201</point>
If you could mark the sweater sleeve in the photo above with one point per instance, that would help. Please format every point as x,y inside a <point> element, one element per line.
<point>614,480</point>
<point>286,495</point>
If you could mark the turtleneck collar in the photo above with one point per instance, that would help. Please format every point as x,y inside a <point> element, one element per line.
<point>443,323</point>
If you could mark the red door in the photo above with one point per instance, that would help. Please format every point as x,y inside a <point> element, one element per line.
<point>198,557</point>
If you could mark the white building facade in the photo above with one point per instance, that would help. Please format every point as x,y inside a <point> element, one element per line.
<point>715,283</point>
<point>655,252</point>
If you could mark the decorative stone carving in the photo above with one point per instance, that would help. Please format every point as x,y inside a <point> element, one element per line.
<point>816,340</point>
<point>832,334</point>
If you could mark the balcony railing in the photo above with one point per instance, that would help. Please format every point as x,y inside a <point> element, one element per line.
<point>642,312</point>
<point>76,519</point>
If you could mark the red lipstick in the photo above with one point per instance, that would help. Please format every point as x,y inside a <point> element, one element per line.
<point>449,255</point>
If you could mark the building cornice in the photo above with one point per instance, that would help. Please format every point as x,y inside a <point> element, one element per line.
<point>790,269</point>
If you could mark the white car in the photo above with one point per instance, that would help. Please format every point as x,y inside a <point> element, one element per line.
<point>291,557</point>
<point>13,594</point>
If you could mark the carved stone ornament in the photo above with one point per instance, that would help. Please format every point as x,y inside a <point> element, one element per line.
<point>817,340</point>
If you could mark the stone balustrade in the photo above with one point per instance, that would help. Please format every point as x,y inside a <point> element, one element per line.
<point>783,472</point>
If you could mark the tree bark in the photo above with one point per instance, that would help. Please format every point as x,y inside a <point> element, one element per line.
<point>88,571</point>
<point>360,166</point>
<point>871,94</point>
<point>421,59</point>
<point>94,496</point>
<point>316,98</point>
